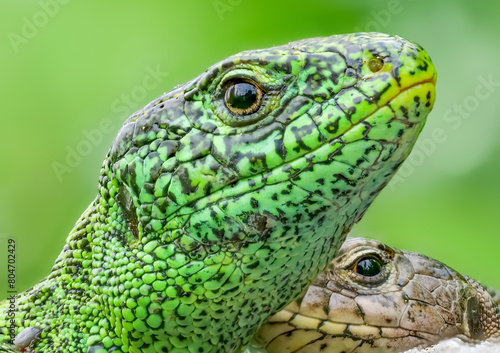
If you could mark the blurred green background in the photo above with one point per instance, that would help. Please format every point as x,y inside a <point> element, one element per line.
<point>72,71</point>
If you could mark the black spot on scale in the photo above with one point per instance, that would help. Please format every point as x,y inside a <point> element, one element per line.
<point>404,111</point>
<point>214,167</point>
<point>318,192</point>
<point>285,66</point>
<point>351,53</point>
<point>274,197</point>
<point>370,149</point>
<point>254,203</point>
<point>343,178</point>
<point>321,181</point>
<point>185,180</point>
<point>253,265</point>
<point>200,144</point>
<point>416,99</point>
<point>333,127</point>
<point>350,112</point>
<point>219,233</point>
<point>397,77</point>
<point>148,188</point>
<point>423,67</point>
<point>251,183</point>
<point>400,132</point>
<point>230,290</point>
<point>279,147</point>
<point>428,96</point>
<point>305,130</point>
<point>281,215</point>
<point>377,95</point>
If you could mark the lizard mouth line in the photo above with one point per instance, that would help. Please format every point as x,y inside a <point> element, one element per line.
<point>338,330</point>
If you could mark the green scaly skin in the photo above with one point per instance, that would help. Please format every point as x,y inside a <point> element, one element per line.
<point>207,222</point>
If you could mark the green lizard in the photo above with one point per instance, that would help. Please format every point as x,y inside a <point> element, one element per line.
<point>220,201</point>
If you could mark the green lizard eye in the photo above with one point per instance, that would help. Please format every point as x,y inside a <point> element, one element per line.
<point>368,267</point>
<point>375,64</point>
<point>242,97</point>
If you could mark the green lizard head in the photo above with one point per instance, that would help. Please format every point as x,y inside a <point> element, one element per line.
<point>221,200</point>
<point>296,117</point>
<point>244,182</point>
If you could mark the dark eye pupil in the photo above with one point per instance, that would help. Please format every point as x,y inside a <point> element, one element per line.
<point>368,267</point>
<point>241,96</point>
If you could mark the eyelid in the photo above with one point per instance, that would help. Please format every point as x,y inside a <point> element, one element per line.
<point>257,75</point>
<point>228,79</point>
<point>367,256</point>
<point>353,259</point>
<point>227,83</point>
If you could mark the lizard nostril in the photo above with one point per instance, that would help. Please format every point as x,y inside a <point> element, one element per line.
<point>375,64</point>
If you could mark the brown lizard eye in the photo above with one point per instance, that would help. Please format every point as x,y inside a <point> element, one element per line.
<point>242,97</point>
<point>368,267</point>
<point>375,64</point>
